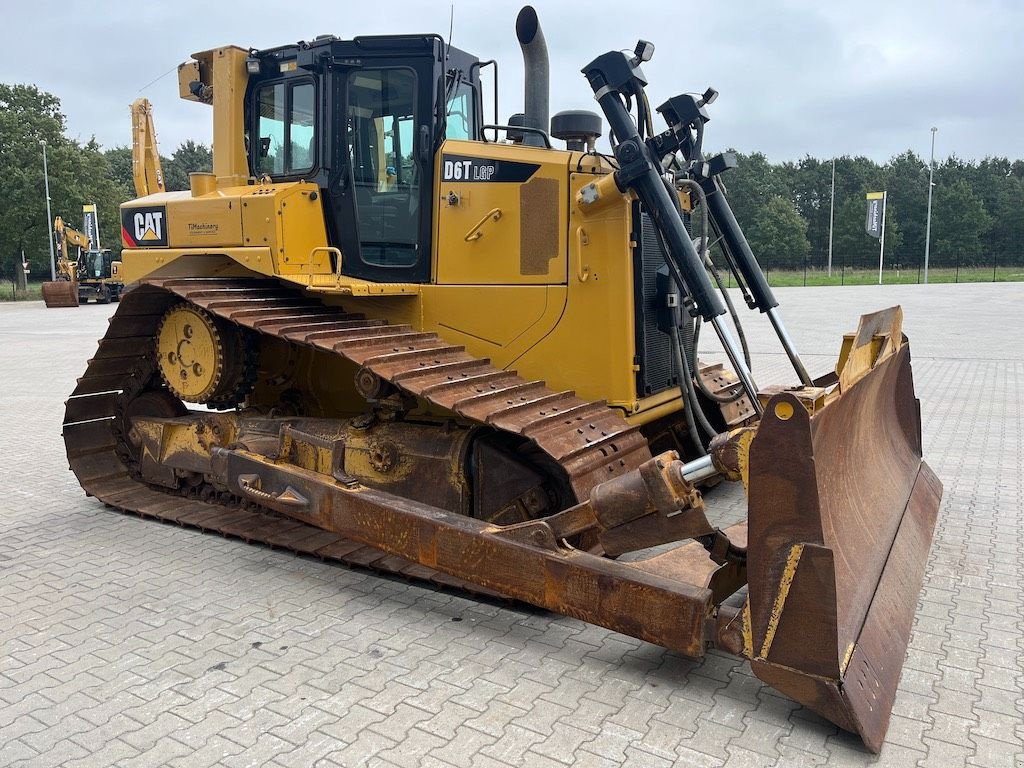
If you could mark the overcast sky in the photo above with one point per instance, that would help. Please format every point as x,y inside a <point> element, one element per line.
<point>811,77</point>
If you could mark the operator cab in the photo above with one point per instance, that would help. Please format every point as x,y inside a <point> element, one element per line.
<point>95,264</point>
<point>363,119</point>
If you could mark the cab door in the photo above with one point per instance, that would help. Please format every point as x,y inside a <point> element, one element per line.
<point>382,203</point>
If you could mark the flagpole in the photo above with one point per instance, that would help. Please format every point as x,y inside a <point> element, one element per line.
<point>881,240</point>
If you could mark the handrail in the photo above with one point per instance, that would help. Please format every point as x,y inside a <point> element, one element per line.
<point>475,233</point>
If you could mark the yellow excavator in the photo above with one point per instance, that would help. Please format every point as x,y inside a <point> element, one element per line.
<point>63,292</point>
<point>92,274</point>
<point>387,331</point>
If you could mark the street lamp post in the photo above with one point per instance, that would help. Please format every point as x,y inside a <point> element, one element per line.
<point>928,224</point>
<point>49,218</point>
<point>831,216</point>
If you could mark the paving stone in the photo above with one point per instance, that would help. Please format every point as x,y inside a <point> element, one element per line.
<point>997,754</point>
<point>512,744</point>
<point>465,742</point>
<point>164,752</point>
<point>117,653</point>
<point>942,754</point>
<point>564,744</point>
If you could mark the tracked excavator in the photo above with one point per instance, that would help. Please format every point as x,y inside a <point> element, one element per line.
<point>63,292</point>
<point>93,273</point>
<point>389,332</point>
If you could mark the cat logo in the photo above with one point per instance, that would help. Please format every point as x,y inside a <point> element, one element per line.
<point>144,227</point>
<point>148,226</point>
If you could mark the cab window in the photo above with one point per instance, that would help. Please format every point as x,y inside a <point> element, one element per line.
<point>459,124</point>
<point>385,172</point>
<point>286,129</point>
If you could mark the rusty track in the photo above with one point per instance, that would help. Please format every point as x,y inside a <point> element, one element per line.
<point>589,440</point>
<point>121,368</point>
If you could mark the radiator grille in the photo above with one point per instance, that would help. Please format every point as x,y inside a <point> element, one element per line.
<point>654,348</point>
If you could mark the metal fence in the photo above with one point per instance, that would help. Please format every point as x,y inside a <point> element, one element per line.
<point>864,270</point>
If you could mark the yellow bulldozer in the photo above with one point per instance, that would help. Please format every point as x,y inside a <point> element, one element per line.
<point>389,332</point>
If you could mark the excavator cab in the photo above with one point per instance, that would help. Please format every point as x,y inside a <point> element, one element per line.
<point>95,264</point>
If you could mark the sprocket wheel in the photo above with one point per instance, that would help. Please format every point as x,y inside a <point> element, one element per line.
<point>203,359</point>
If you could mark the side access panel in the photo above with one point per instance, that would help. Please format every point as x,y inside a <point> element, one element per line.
<point>502,214</point>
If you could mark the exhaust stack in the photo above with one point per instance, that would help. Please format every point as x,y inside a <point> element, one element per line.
<point>537,73</point>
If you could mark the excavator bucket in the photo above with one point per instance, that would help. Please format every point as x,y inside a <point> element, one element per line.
<point>60,293</point>
<point>842,514</point>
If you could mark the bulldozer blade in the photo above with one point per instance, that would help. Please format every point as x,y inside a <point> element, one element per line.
<point>60,293</point>
<point>842,515</point>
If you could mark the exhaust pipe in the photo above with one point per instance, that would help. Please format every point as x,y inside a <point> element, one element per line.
<point>537,74</point>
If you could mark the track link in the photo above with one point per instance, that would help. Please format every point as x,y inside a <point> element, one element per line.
<point>589,440</point>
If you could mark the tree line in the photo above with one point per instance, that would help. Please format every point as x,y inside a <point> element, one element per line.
<point>78,173</point>
<point>784,208</point>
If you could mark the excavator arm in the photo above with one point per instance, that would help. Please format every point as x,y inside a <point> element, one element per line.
<point>68,236</point>
<point>147,172</point>
<point>63,292</point>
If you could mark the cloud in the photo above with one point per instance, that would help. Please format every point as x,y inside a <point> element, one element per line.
<point>796,78</point>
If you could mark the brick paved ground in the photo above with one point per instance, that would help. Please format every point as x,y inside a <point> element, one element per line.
<point>124,642</point>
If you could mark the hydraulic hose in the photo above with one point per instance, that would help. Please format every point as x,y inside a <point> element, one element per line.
<point>613,76</point>
<point>732,311</point>
<point>706,258</point>
<point>691,405</point>
<point>689,342</point>
<point>736,244</point>
<point>691,424</point>
<point>720,399</point>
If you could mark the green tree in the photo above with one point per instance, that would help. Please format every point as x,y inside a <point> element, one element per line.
<point>906,179</point>
<point>189,157</point>
<point>778,235</point>
<point>811,185</point>
<point>78,174</point>
<point>1006,235</point>
<point>28,116</point>
<point>750,184</point>
<point>120,161</point>
<point>959,221</point>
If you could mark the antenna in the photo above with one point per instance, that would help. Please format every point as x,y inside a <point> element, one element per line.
<point>451,29</point>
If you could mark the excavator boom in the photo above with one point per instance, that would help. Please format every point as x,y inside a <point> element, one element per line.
<point>63,292</point>
<point>147,171</point>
